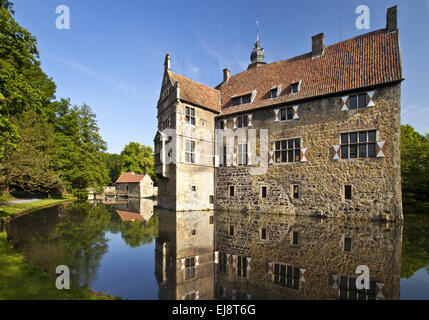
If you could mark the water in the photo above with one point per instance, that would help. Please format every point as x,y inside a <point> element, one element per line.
<point>130,250</point>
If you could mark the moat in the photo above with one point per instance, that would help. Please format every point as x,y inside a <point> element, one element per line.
<point>135,251</point>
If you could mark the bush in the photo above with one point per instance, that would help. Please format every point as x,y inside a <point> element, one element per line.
<point>81,194</point>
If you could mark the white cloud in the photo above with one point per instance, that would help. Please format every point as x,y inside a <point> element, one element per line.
<point>416,116</point>
<point>120,85</point>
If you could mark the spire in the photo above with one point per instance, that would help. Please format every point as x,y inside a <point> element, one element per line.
<point>258,55</point>
<point>167,63</point>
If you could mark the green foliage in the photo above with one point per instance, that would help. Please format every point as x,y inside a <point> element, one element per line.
<point>415,244</point>
<point>113,165</point>
<point>80,146</point>
<point>23,85</point>
<point>415,165</point>
<point>139,159</point>
<point>138,233</point>
<point>30,166</point>
<point>81,194</point>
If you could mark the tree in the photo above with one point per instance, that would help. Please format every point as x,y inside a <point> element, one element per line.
<point>30,166</point>
<point>113,165</point>
<point>138,159</point>
<point>80,146</point>
<point>23,85</point>
<point>415,164</point>
<point>6,4</point>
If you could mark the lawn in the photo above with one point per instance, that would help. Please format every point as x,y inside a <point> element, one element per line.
<point>14,209</point>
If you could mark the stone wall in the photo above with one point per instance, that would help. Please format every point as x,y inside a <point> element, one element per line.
<point>376,182</point>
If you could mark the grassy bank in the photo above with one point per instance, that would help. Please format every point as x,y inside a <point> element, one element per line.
<point>22,281</point>
<point>15,209</point>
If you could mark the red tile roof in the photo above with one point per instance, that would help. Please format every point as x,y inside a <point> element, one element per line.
<point>130,216</point>
<point>197,93</point>
<point>367,60</point>
<point>130,177</point>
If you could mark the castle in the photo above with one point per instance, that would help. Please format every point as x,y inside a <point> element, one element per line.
<point>317,134</point>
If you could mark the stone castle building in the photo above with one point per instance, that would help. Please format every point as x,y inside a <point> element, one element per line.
<point>328,128</point>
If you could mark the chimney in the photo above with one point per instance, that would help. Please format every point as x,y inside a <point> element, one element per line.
<point>226,74</point>
<point>318,45</point>
<point>392,19</point>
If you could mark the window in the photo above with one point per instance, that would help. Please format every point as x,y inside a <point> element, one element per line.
<point>263,234</point>
<point>348,192</point>
<point>211,219</point>
<point>286,276</point>
<point>286,114</point>
<point>358,144</point>
<point>264,192</point>
<point>164,187</point>
<point>288,151</point>
<point>194,188</point>
<point>190,268</point>
<point>357,101</point>
<point>190,296</point>
<point>231,191</point>
<point>242,154</point>
<point>274,93</point>
<point>295,238</point>
<point>222,262</point>
<point>243,122</point>
<point>211,199</point>
<point>194,232</point>
<point>347,244</point>
<point>241,266</point>
<point>295,191</point>
<point>189,151</point>
<point>348,290</point>
<point>231,230</point>
<point>294,87</point>
<point>241,100</point>
<point>224,156</point>
<point>221,124</point>
<point>190,116</point>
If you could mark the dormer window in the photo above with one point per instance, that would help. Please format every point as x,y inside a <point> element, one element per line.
<point>274,93</point>
<point>295,87</point>
<point>236,101</point>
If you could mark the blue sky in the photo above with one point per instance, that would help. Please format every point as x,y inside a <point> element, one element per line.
<point>112,57</point>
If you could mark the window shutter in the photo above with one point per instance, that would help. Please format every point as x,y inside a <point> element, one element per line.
<point>276,113</point>
<point>197,260</point>
<point>235,160</point>
<point>197,158</point>
<point>216,257</point>
<point>235,123</point>
<point>334,281</point>
<point>248,264</point>
<point>380,149</point>
<point>345,101</point>
<point>271,157</point>
<point>234,260</point>
<point>216,161</point>
<point>249,159</point>
<point>304,155</point>
<point>301,275</point>
<point>183,264</point>
<point>197,122</point>
<point>295,113</point>
<point>250,124</point>
<point>335,152</point>
<point>270,268</point>
<point>370,99</point>
<point>380,294</point>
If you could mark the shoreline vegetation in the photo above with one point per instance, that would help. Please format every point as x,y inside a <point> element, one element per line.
<point>22,281</point>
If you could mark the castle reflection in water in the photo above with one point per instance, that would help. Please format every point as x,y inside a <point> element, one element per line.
<point>220,255</point>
